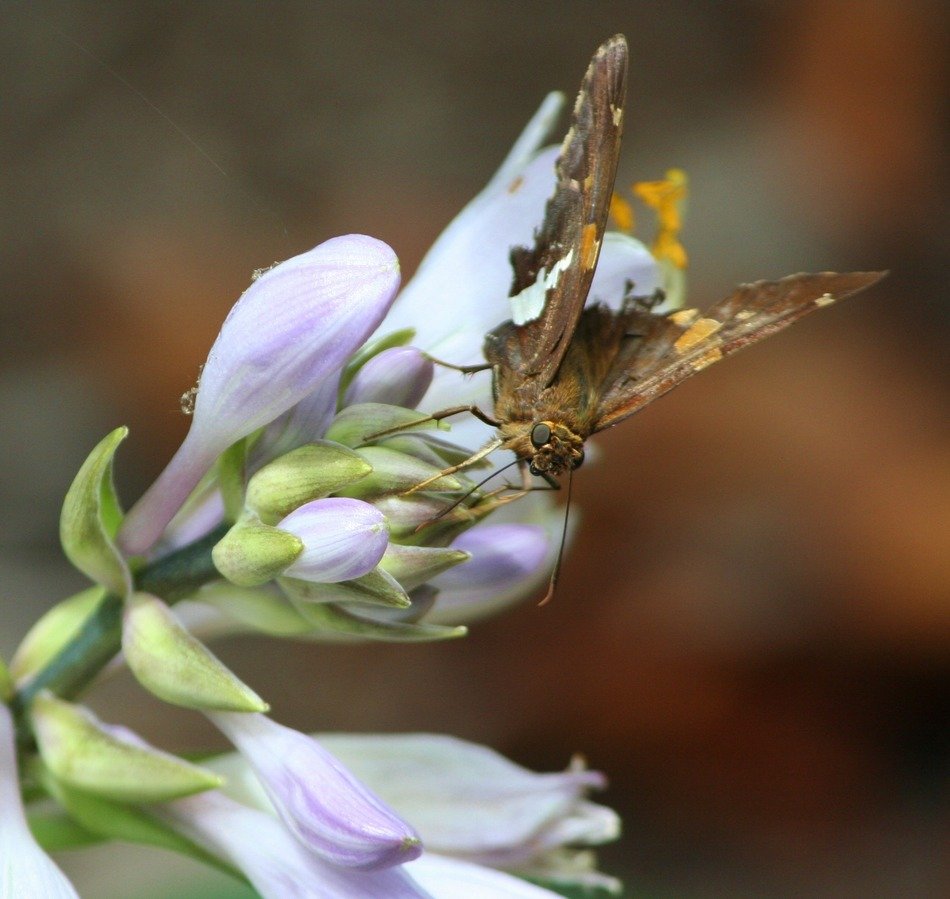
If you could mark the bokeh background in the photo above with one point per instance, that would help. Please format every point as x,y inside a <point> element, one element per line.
<point>752,630</point>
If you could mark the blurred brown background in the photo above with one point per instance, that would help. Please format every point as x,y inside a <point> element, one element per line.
<point>752,632</point>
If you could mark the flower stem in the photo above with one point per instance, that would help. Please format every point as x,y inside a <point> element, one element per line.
<point>99,639</point>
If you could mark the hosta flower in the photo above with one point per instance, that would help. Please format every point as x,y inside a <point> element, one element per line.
<point>319,801</point>
<point>467,802</point>
<point>277,864</point>
<point>293,328</point>
<point>281,867</point>
<point>25,870</point>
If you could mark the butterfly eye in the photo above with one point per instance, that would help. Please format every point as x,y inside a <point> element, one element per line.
<point>534,470</point>
<point>540,435</point>
<point>579,461</point>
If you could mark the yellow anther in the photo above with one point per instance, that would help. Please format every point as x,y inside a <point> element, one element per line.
<point>621,211</point>
<point>666,198</point>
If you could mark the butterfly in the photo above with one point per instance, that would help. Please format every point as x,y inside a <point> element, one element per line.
<point>562,370</point>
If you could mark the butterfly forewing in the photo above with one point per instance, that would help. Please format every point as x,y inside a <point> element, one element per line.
<point>658,352</point>
<point>552,279</point>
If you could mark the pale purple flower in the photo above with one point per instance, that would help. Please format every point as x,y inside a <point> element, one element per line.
<point>398,377</point>
<point>343,539</point>
<point>25,869</point>
<point>327,809</point>
<point>278,864</point>
<point>295,326</point>
<point>470,802</point>
<point>280,867</point>
<point>507,560</point>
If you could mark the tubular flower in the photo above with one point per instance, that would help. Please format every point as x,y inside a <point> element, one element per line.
<point>293,328</point>
<point>321,803</point>
<point>469,803</point>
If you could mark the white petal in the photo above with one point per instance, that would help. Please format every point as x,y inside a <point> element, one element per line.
<point>448,878</point>
<point>25,869</point>
<point>623,260</point>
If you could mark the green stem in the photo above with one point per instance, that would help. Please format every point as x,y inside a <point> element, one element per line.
<point>99,639</point>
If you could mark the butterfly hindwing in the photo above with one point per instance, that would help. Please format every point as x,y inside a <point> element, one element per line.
<point>659,352</point>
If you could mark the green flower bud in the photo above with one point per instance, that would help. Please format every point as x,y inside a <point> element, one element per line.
<point>375,587</point>
<point>414,565</point>
<point>252,553</point>
<point>91,517</point>
<point>356,425</point>
<point>169,662</point>
<point>395,472</point>
<point>306,473</point>
<point>110,761</point>
<point>53,631</point>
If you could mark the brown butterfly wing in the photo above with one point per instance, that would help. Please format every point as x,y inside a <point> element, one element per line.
<point>661,351</point>
<point>557,272</point>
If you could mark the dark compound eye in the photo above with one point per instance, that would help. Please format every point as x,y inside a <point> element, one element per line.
<point>534,470</point>
<point>540,435</point>
<point>579,461</point>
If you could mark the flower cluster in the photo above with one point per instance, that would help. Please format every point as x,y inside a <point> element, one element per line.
<point>288,510</point>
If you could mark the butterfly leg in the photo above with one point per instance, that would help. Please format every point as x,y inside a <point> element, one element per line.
<point>488,448</point>
<point>464,369</point>
<point>438,416</point>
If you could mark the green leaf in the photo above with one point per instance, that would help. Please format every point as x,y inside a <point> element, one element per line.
<point>91,516</point>
<point>169,662</point>
<point>334,621</point>
<point>262,609</point>
<point>396,472</point>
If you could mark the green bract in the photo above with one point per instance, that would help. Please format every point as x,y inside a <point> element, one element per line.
<point>91,517</point>
<point>252,553</point>
<point>169,662</point>
<point>53,631</point>
<point>82,752</point>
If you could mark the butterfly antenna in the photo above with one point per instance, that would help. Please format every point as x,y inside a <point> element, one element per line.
<point>552,583</point>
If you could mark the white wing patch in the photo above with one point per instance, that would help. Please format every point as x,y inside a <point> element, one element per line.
<point>529,303</point>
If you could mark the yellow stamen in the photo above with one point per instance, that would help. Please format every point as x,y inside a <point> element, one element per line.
<point>666,197</point>
<point>621,211</point>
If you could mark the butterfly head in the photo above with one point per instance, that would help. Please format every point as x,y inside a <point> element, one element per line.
<point>551,448</point>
